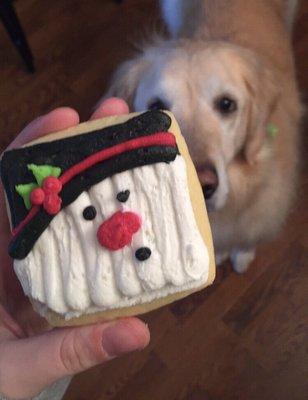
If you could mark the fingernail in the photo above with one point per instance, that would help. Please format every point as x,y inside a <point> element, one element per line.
<point>122,337</point>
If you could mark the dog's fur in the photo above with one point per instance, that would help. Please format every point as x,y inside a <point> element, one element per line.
<point>241,48</point>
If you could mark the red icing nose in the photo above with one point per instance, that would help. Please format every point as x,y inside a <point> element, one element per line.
<point>117,231</point>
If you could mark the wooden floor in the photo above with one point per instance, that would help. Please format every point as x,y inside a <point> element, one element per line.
<point>244,338</point>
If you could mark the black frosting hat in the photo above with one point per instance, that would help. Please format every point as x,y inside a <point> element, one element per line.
<point>138,138</point>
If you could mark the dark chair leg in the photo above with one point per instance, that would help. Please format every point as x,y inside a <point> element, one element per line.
<point>14,29</point>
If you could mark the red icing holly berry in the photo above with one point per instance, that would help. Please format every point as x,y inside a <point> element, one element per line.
<point>48,195</point>
<point>37,196</point>
<point>117,231</point>
<point>51,184</point>
<point>52,203</point>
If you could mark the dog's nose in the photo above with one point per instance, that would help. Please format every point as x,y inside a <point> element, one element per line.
<point>208,177</point>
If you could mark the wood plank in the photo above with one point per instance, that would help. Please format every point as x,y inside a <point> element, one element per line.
<point>246,336</point>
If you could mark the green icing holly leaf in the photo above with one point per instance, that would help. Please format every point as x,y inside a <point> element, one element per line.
<point>41,172</point>
<point>24,191</point>
<point>272,130</point>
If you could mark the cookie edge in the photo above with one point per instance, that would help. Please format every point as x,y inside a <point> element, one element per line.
<point>199,209</point>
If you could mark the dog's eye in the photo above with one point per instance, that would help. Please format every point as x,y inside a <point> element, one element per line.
<point>89,213</point>
<point>225,105</point>
<point>158,104</point>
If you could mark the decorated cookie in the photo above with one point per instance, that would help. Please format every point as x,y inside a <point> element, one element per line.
<point>108,219</point>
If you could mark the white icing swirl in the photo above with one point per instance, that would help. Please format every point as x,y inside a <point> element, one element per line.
<point>69,272</point>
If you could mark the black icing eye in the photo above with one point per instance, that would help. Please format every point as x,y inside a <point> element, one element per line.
<point>143,253</point>
<point>122,197</point>
<point>158,104</point>
<point>225,105</point>
<point>89,213</point>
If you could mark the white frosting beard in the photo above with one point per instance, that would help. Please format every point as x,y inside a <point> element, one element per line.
<point>69,272</point>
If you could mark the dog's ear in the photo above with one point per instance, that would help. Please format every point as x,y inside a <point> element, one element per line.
<point>264,93</point>
<point>125,80</point>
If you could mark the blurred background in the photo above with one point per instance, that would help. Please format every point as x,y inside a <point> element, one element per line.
<point>244,338</point>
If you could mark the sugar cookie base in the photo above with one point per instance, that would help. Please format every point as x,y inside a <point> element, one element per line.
<point>199,209</point>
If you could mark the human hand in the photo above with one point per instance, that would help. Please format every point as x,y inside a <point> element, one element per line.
<point>32,355</point>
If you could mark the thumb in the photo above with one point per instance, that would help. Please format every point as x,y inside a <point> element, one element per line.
<point>29,365</point>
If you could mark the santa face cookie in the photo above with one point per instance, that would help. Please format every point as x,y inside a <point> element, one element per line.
<point>103,220</point>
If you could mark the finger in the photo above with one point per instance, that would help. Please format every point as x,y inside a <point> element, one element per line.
<point>8,326</point>
<point>37,362</point>
<point>56,120</point>
<point>112,106</point>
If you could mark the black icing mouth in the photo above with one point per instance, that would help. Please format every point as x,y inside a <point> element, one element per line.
<point>143,253</point>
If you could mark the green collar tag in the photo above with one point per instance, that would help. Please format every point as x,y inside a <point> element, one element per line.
<point>272,130</point>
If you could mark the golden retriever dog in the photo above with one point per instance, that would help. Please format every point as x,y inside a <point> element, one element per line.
<point>227,73</point>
